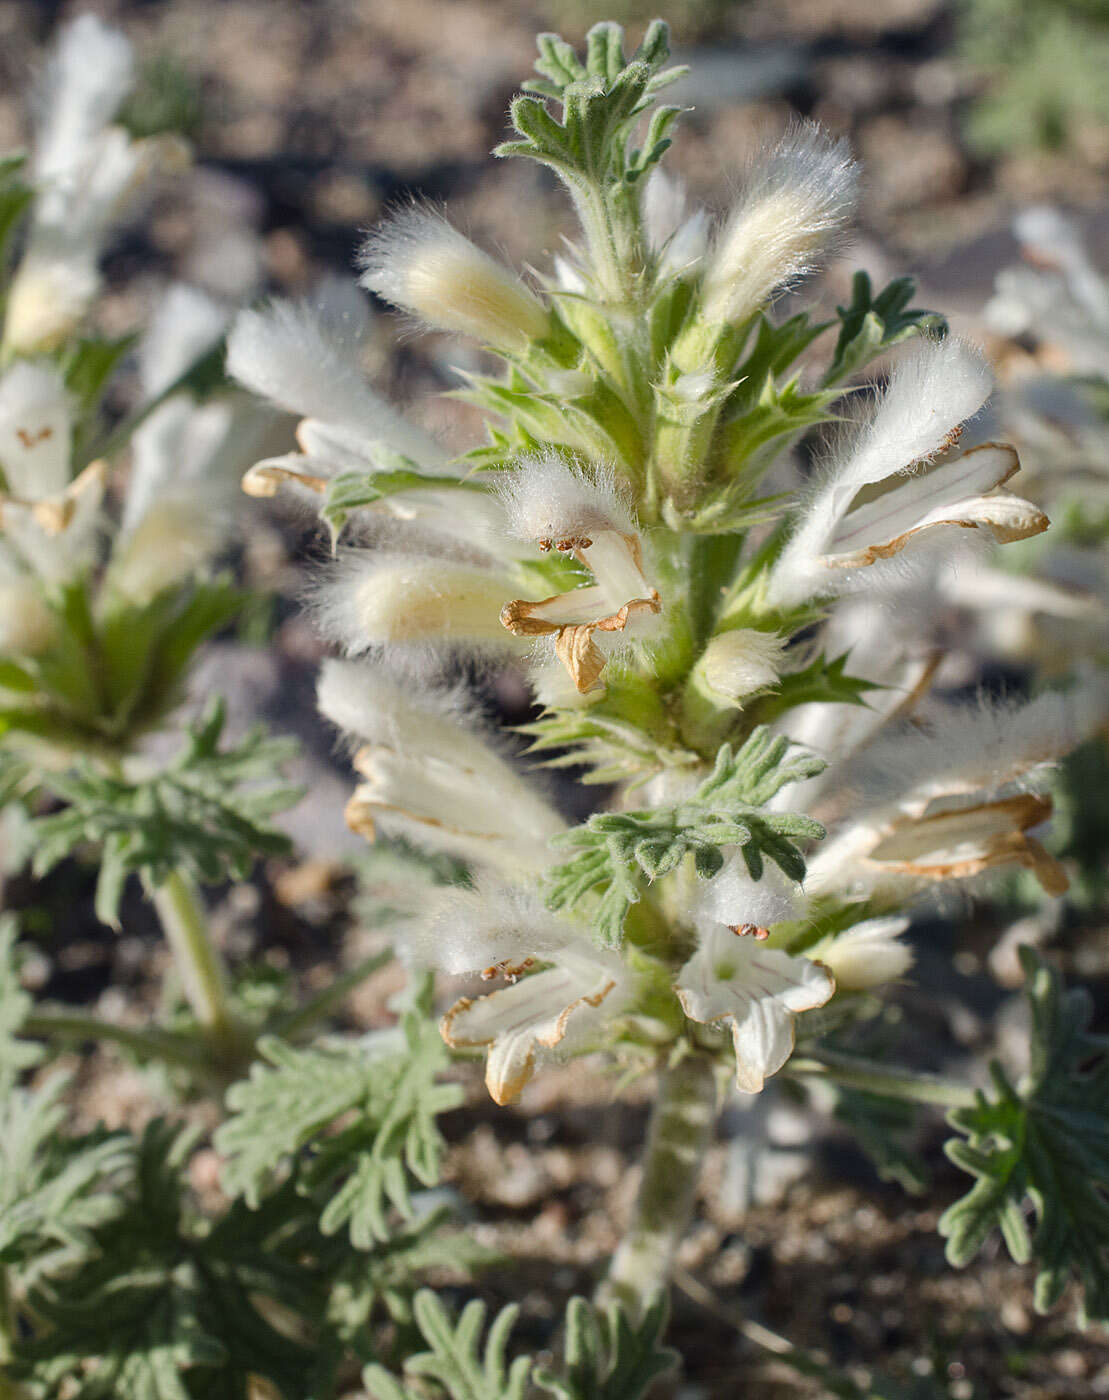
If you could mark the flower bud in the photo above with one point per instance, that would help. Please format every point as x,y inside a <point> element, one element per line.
<point>867,955</point>
<point>400,598</point>
<point>737,664</point>
<point>798,199</point>
<point>420,263</point>
<point>173,541</point>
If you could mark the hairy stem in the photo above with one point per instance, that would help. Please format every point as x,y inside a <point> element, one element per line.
<point>201,968</point>
<point>681,1128</point>
<point>856,1073</point>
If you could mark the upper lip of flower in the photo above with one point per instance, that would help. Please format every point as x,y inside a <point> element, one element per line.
<point>516,1019</point>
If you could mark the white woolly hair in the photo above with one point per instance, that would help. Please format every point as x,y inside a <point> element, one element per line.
<point>80,90</point>
<point>467,930</point>
<point>547,498</point>
<point>990,745</point>
<point>664,207</point>
<point>419,262</point>
<point>390,706</point>
<point>732,897</point>
<point>934,387</point>
<point>186,323</point>
<point>382,597</point>
<point>301,361</point>
<point>798,197</point>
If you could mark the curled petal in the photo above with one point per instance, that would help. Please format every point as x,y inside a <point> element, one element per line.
<point>264,478</point>
<point>604,606</point>
<point>516,1020</point>
<point>953,493</point>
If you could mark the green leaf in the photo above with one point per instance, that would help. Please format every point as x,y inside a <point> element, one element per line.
<point>455,1357</point>
<point>870,325</point>
<point>161,1300</point>
<point>824,681</point>
<point>88,363</point>
<point>352,491</point>
<point>616,851</point>
<point>15,200</point>
<point>52,1188</point>
<point>601,103</point>
<point>207,815</point>
<point>288,1106</point>
<point>1044,1143</point>
<point>607,1357</point>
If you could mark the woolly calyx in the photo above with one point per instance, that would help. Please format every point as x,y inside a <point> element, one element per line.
<point>381,598</point>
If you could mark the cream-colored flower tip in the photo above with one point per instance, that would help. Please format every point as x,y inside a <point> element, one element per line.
<point>741,663</point>
<point>47,301</point>
<point>36,425</point>
<point>867,955</point>
<point>799,197</point>
<point>420,263</point>
<point>380,598</point>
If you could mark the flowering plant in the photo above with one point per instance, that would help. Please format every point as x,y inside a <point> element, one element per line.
<point>742,654</point>
<point>745,656</point>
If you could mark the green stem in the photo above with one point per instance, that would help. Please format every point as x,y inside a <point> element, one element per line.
<point>201,968</point>
<point>324,1002</point>
<point>149,1044</point>
<point>7,1324</point>
<point>681,1128</point>
<point>855,1073</point>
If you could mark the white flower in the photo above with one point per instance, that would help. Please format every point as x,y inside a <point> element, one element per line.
<point>295,357</point>
<point>867,955</point>
<point>953,802</point>
<point>417,261</point>
<point>904,476</point>
<point>428,777</point>
<point>47,519</point>
<point>756,990</point>
<point>84,170</point>
<point>676,237</point>
<point>740,663</point>
<point>185,458</point>
<point>586,516</point>
<point>798,197</point>
<point>511,931</point>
